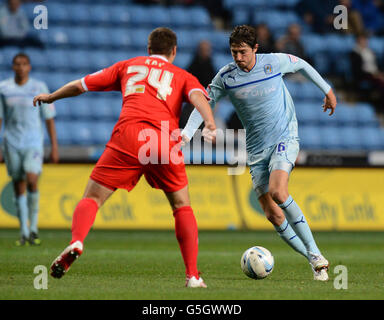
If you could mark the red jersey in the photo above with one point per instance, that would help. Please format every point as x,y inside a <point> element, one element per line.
<point>153,89</point>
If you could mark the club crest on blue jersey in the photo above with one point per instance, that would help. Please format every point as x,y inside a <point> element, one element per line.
<point>268,69</point>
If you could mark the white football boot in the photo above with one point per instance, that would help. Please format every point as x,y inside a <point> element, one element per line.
<point>64,261</point>
<point>192,282</point>
<point>319,266</point>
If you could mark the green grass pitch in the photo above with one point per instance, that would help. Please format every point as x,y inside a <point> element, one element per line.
<point>147,265</point>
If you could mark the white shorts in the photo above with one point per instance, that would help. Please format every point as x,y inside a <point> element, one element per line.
<point>281,156</point>
<point>20,162</point>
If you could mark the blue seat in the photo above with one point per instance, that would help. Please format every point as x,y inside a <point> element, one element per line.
<point>100,37</point>
<point>81,108</point>
<point>219,41</point>
<point>345,115</point>
<point>99,60</point>
<point>331,138</point>
<point>307,113</point>
<point>158,16</point>
<point>351,138</point>
<point>101,131</point>
<point>57,36</point>
<point>120,14</point>
<point>310,137</point>
<point>58,13</point>
<point>81,132</point>
<point>183,60</point>
<point>186,40</point>
<point>220,60</point>
<point>103,108</point>
<point>200,17</point>
<point>79,60</point>
<point>79,37</point>
<point>366,115</point>
<point>57,59</point>
<point>99,14</point>
<point>63,111</point>
<point>240,16</point>
<point>63,132</point>
<point>139,38</point>
<point>179,17</point>
<point>372,138</point>
<point>121,38</point>
<point>38,58</point>
<point>139,16</point>
<point>313,43</point>
<point>79,13</point>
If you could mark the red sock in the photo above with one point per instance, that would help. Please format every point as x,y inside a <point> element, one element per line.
<point>83,218</point>
<point>187,236</point>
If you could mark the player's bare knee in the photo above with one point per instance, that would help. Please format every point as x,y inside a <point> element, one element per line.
<point>275,217</point>
<point>278,195</point>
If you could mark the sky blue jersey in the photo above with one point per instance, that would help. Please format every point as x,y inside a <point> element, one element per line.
<point>260,97</point>
<point>23,123</point>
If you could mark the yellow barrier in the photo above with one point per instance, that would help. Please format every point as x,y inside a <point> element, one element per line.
<point>331,199</point>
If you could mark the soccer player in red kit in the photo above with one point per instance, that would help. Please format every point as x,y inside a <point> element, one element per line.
<point>153,90</point>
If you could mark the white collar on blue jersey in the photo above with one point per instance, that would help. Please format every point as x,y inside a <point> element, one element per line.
<point>158,56</point>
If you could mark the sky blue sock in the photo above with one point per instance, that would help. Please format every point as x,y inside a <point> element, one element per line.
<point>33,209</point>
<point>286,232</point>
<point>22,213</point>
<point>299,224</point>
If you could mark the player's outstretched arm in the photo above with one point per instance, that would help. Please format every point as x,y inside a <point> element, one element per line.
<point>330,102</point>
<point>71,89</point>
<point>199,101</point>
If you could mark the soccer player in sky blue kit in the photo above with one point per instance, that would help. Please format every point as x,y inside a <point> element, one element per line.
<point>254,85</point>
<point>23,142</point>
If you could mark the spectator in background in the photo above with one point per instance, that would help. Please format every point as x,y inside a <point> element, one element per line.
<point>14,26</point>
<point>202,68</point>
<point>365,70</point>
<point>265,39</point>
<point>355,21</point>
<point>291,43</point>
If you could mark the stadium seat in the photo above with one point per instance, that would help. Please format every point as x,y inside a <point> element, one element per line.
<point>119,14</point>
<point>79,14</point>
<point>103,109</point>
<point>240,16</point>
<point>331,138</point>
<point>81,108</point>
<point>220,60</point>
<point>63,132</point>
<point>79,60</point>
<point>58,13</point>
<point>101,131</point>
<point>310,137</point>
<point>57,59</point>
<point>366,115</point>
<point>179,17</point>
<point>158,16</point>
<point>186,40</point>
<point>99,14</point>
<point>351,138</point>
<point>140,38</point>
<point>99,60</point>
<point>79,37</point>
<point>219,41</point>
<point>38,58</point>
<point>183,60</point>
<point>200,17</point>
<point>81,132</point>
<point>308,113</point>
<point>100,38</point>
<point>63,111</point>
<point>122,38</point>
<point>372,138</point>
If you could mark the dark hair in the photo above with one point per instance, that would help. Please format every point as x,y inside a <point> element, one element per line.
<point>22,55</point>
<point>162,41</point>
<point>243,34</point>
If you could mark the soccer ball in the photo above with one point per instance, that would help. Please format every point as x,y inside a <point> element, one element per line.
<point>257,262</point>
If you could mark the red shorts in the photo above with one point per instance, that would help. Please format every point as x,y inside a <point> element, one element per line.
<point>121,169</point>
